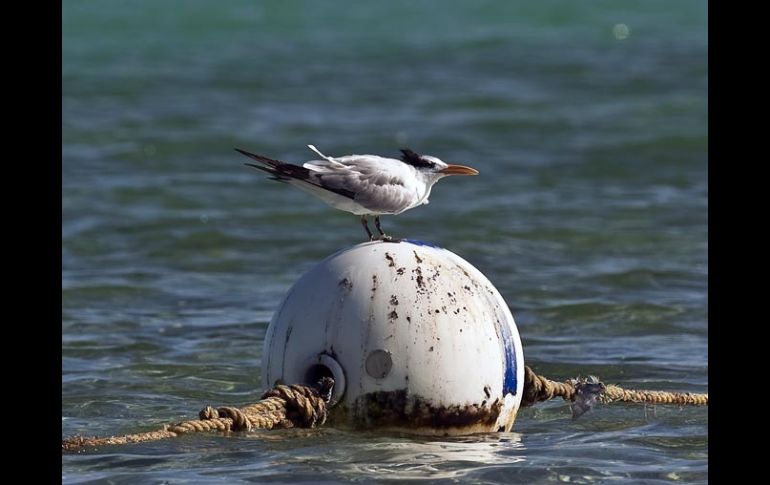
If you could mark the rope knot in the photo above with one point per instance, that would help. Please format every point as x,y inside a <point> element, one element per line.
<point>208,413</point>
<point>304,405</point>
<point>240,420</point>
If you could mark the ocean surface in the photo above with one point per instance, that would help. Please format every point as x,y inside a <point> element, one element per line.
<point>588,123</point>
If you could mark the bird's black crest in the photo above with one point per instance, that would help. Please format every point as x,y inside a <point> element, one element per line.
<point>413,159</point>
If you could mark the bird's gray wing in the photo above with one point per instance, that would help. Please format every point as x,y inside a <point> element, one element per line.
<point>380,184</point>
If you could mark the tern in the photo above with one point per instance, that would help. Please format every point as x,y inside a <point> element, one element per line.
<point>364,185</point>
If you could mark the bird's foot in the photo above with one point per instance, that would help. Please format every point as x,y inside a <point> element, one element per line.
<point>386,238</point>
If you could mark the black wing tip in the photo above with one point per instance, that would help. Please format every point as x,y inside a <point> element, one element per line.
<point>275,175</point>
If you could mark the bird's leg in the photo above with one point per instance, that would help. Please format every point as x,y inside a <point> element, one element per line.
<point>365,223</point>
<point>383,236</point>
<point>377,225</point>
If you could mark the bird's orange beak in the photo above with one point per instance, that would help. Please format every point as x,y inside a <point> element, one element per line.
<point>459,170</point>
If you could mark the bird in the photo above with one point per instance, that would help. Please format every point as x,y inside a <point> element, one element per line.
<point>364,185</point>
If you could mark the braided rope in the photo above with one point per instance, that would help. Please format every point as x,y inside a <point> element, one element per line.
<point>538,388</point>
<point>618,394</point>
<point>304,406</point>
<point>281,407</point>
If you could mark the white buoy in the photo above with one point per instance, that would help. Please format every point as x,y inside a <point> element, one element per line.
<point>415,337</point>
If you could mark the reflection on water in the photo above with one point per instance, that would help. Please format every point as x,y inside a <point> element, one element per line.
<point>441,459</point>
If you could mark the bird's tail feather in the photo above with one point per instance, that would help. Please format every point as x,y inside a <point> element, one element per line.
<point>318,152</point>
<point>260,158</point>
<point>327,158</point>
<point>280,170</point>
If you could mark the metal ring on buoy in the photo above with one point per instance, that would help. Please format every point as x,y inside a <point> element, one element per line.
<point>324,365</point>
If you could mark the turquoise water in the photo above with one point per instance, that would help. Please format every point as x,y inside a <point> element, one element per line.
<point>587,121</point>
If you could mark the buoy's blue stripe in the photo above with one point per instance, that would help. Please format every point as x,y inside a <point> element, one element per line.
<point>509,349</point>
<point>508,343</point>
<point>417,242</point>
